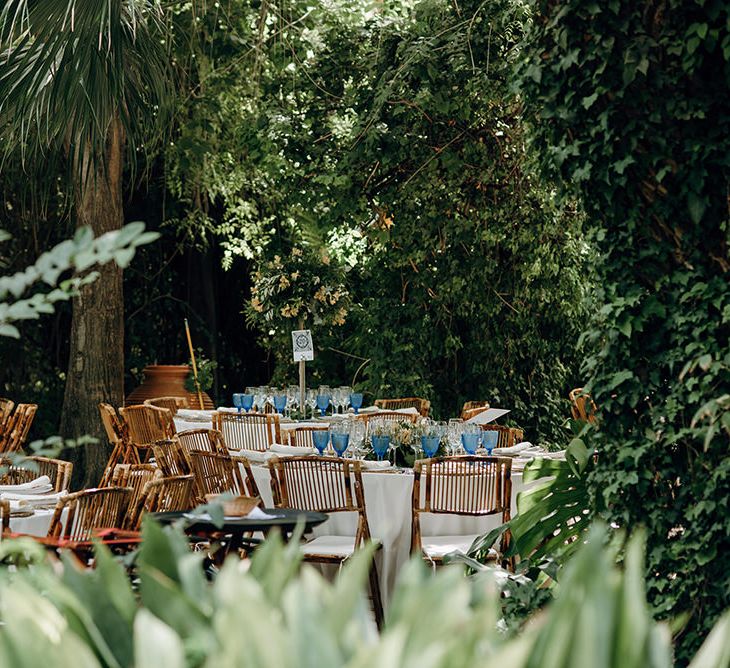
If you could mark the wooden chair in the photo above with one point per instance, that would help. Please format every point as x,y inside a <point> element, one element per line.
<point>217,472</point>
<point>173,404</point>
<point>4,517</point>
<point>170,458</point>
<point>201,439</point>
<point>582,406</point>
<point>122,452</point>
<point>135,477</point>
<point>393,417</point>
<point>17,427</point>
<point>472,408</point>
<point>422,405</point>
<point>6,409</point>
<point>168,494</point>
<point>91,509</point>
<point>507,436</point>
<point>301,437</point>
<point>145,425</point>
<point>329,485</point>
<point>469,485</point>
<point>252,431</point>
<point>58,471</point>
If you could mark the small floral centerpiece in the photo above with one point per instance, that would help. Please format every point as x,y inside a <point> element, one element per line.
<point>303,288</point>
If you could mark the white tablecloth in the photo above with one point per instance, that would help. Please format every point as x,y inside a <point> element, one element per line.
<point>388,507</point>
<point>34,525</point>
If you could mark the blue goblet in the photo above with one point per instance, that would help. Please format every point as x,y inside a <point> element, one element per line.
<point>323,402</point>
<point>430,445</point>
<point>340,443</point>
<point>247,402</point>
<point>279,403</point>
<point>380,445</point>
<point>356,401</point>
<point>489,440</point>
<point>320,438</point>
<point>470,442</point>
<point>238,401</point>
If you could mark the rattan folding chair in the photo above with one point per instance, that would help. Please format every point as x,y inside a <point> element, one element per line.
<point>169,494</point>
<point>329,485</point>
<point>472,408</point>
<point>17,427</point>
<point>91,509</point>
<point>422,405</point>
<point>145,425</point>
<point>472,486</point>
<point>201,439</point>
<point>218,472</point>
<point>6,410</point>
<point>252,431</point>
<point>301,437</point>
<point>58,471</point>
<point>135,477</point>
<point>391,417</point>
<point>171,458</point>
<point>122,452</point>
<point>507,436</point>
<point>582,406</point>
<point>173,404</point>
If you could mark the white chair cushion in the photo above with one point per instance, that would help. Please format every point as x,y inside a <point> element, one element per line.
<point>338,546</point>
<point>437,547</point>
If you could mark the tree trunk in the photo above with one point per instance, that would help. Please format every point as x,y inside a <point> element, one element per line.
<point>96,359</point>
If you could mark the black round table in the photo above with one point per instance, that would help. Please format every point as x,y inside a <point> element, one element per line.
<point>284,520</point>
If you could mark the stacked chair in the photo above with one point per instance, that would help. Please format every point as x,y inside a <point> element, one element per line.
<point>422,405</point>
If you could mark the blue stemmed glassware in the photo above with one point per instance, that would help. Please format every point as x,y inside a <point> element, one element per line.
<point>430,445</point>
<point>356,401</point>
<point>238,401</point>
<point>320,438</point>
<point>323,402</point>
<point>380,445</point>
<point>470,441</point>
<point>489,440</point>
<point>340,443</point>
<point>279,403</point>
<point>246,402</point>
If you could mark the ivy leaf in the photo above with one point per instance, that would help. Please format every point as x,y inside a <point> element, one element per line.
<point>697,206</point>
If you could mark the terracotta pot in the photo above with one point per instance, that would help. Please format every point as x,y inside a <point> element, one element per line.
<point>166,380</point>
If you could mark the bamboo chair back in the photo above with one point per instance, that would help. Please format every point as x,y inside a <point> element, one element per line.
<point>4,517</point>
<point>301,437</point>
<point>122,452</point>
<point>582,406</point>
<point>325,484</point>
<point>173,404</point>
<point>470,485</point>
<point>253,431</point>
<point>146,425</point>
<point>170,458</point>
<point>17,428</point>
<point>6,409</point>
<point>168,494</point>
<point>508,436</point>
<point>135,477</point>
<point>472,408</point>
<point>58,471</point>
<point>391,417</point>
<point>201,439</point>
<point>422,405</point>
<point>88,510</point>
<point>217,473</point>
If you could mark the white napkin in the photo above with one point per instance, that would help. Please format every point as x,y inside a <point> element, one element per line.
<point>41,485</point>
<point>251,455</point>
<point>369,465</point>
<point>291,450</point>
<point>190,415</point>
<point>499,452</point>
<point>35,501</point>
<point>227,409</point>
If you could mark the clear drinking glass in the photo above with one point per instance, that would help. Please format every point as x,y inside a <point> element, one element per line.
<point>454,431</point>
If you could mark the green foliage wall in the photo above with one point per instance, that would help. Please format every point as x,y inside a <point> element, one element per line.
<point>631,104</point>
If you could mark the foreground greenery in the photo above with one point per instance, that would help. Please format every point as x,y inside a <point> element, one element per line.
<point>269,613</point>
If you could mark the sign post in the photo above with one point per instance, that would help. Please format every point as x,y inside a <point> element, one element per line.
<point>303,350</point>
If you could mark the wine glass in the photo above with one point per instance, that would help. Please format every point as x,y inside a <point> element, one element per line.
<point>238,401</point>
<point>454,430</point>
<point>246,402</point>
<point>259,398</point>
<point>279,403</point>
<point>470,437</point>
<point>431,438</point>
<point>324,397</point>
<point>344,396</point>
<point>489,440</point>
<point>321,439</point>
<point>356,401</point>
<point>340,434</point>
<point>311,400</point>
<point>292,398</point>
<point>357,438</point>
<point>380,434</point>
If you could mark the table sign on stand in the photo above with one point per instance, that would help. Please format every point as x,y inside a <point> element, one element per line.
<point>303,350</point>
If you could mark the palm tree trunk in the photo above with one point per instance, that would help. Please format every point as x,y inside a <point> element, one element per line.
<point>96,359</point>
